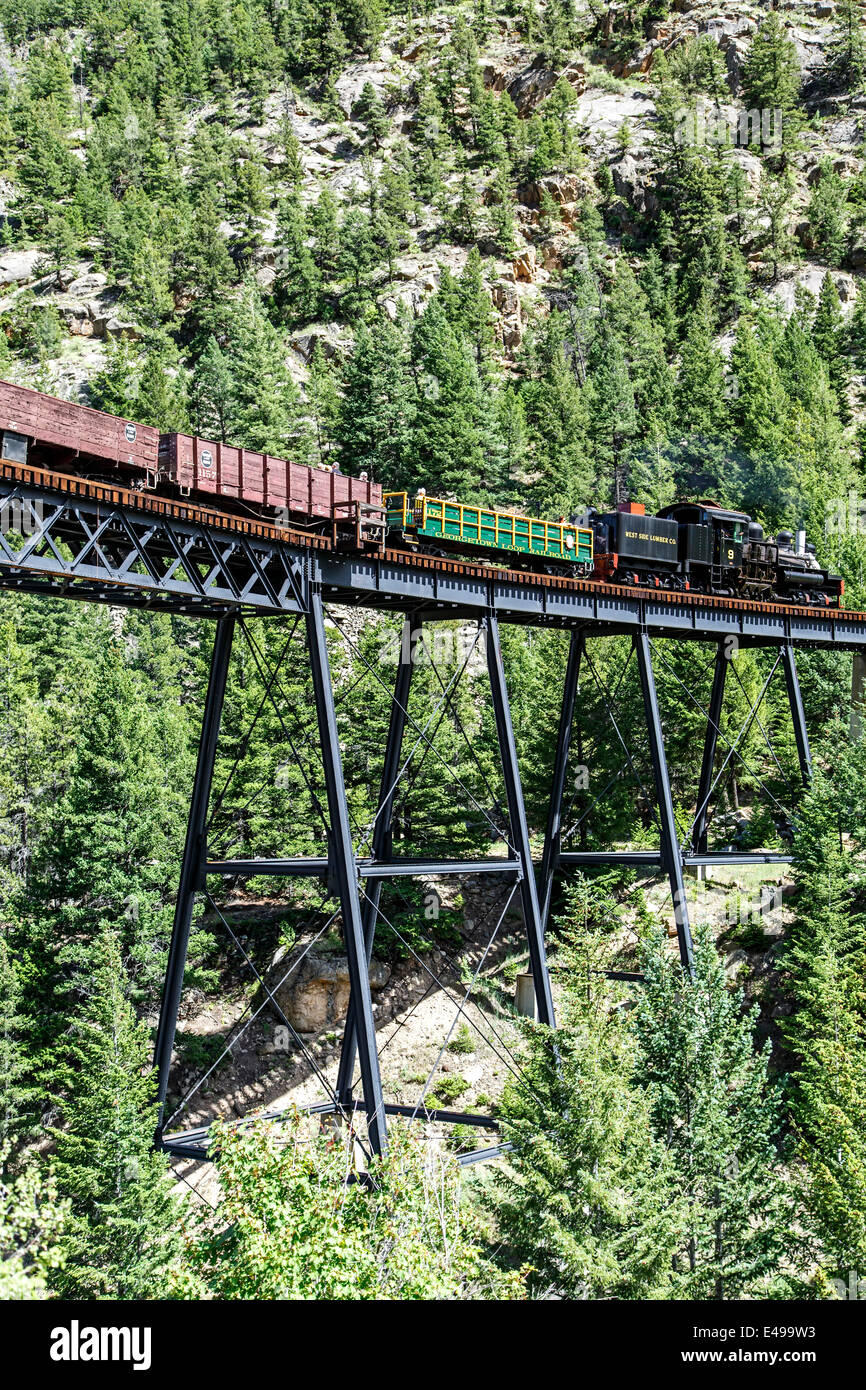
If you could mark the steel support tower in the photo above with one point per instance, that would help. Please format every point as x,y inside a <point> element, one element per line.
<point>80,547</point>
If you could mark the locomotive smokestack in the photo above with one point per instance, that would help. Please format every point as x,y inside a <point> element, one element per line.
<point>800,540</point>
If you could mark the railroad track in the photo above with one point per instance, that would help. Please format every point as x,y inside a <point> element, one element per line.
<point>178,509</point>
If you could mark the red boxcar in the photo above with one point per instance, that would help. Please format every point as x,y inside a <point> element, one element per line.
<point>202,466</point>
<point>89,433</point>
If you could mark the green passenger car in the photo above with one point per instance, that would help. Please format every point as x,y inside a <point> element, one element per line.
<point>467,528</point>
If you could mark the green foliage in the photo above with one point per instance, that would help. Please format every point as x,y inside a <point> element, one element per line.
<point>122,1235</point>
<point>448,1089</point>
<point>587,1196</point>
<point>171,165</point>
<point>846,59</point>
<point>771,73</point>
<point>289,1225</point>
<point>828,215</point>
<point>33,1221</point>
<point>716,1111</point>
<point>825,959</point>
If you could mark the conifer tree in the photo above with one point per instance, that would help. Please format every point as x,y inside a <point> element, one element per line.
<point>212,402</point>
<point>268,412</point>
<point>700,386</point>
<point>114,387</point>
<point>774,201</point>
<point>122,1238</point>
<point>846,58</point>
<point>298,282</point>
<point>587,1197</point>
<point>828,335</point>
<point>557,413</point>
<point>160,400</point>
<point>376,415</point>
<point>369,109</point>
<point>713,1105</point>
<point>19,1098</point>
<point>828,215</point>
<point>611,409</point>
<point>447,444</point>
<point>825,960</point>
<point>771,73</point>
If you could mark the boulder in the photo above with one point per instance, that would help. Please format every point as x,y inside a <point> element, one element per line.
<point>85,286</point>
<point>640,61</point>
<point>858,255</point>
<point>537,81</point>
<point>629,182</point>
<point>316,996</point>
<point>751,167</point>
<point>525,265</point>
<point>505,298</point>
<point>17,267</point>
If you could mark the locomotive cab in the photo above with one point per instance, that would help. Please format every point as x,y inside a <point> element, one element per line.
<point>710,543</point>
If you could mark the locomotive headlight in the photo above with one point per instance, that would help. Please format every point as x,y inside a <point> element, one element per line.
<point>569,542</point>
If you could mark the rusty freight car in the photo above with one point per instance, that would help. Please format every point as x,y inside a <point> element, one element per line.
<point>204,467</point>
<point>34,426</point>
<point>92,441</point>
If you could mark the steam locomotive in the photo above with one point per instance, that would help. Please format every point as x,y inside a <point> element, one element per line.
<point>702,547</point>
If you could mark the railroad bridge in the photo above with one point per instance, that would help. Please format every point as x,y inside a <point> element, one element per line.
<point>64,536</point>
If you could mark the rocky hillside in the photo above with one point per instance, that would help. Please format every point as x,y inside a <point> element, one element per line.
<point>595,200</point>
<point>611,115</point>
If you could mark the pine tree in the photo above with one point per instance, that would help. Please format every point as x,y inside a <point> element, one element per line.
<point>212,402</point>
<point>713,1105</point>
<point>377,412</point>
<point>18,1096</point>
<point>828,215</point>
<point>557,415</point>
<point>114,388</point>
<point>825,961</point>
<point>611,408</point>
<point>123,1238</point>
<point>268,412</point>
<point>369,109</point>
<point>502,213</point>
<point>324,399</point>
<point>291,171</point>
<point>857,330</point>
<point>161,395</point>
<point>325,228</point>
<point>828,335</point>
<point>298,282</point>
<point>846,57</point>
<point>774,201</point>
<point>448,448</point>
<point>106,855</point>
<point>700,387</point>
<point>771,73</point>
<point>587,1197</point>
